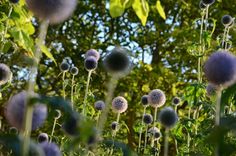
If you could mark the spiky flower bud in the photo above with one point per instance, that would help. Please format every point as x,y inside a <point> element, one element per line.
<point>168,117</point>
<point>211,89</point>
<point>74,70</point>
<point>13,130</point>
<point>226,20</point>
<point>119,104</point>
<point>5,74</point>
<point>55,11</point>
<point>144,100</point>
<point>99,105</point>
<point>157,135</point>
<point>220,69</point>
<point>154,131</point>
<point>156,98</point>
<point>15,111</point>
<point>43,137</point>
<point>90,63</point>
<point>50,149</point>
<point>147,119</point>
<point>208,2</point>
<point>64,66</point>
<point>92,52</point>
<point>117,62</point>
<point>115,126</point>
<point>176,101</point>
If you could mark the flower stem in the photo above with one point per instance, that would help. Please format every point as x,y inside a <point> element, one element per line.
<point>218,101</point>
<point>166,145</point>
<point>53,128</point>
<point>141,129</point>
<point>72,90</point>
<point>154,124</point>
<point>26,131</point>
<point>63,85</point>
<point>86,93</point>
<point>145,141</point>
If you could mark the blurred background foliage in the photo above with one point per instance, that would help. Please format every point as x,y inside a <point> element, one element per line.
<point>160,36</point>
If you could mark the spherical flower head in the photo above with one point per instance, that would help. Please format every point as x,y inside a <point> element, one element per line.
<point>208,2</point>
<point>13,130</point>
<point>90,63</point>
<point>157,135</point>
<point>144,100</point>
<point>43,137</point>
<point>99,105</point>
<point>117,62</point>
<point>147,119</point>
<point>115,126</point>
<point>211,90</point>
<point>176,101</point>
<point>64,66</point>
<point>50,149</point>
<point>226,20</point>
<point>156,98</point>
<point>94,53</point>
<point>15,111</point>
<point>153,130</point>
<point>202,5</point>
<point>168,117</point>
<point>220,69</point>
<point>56,11</point>
<point>119,104</point>
<point>5,74</point>
<point>74,70</point>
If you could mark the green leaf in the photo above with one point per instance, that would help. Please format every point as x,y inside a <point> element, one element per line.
<point>141,9</point>
<point>46,51</point>
<point>160,9</point>
<point>116,8</point>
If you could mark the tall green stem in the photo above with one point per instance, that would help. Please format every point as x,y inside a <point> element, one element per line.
<point>53,128</point>
<point>86,92</point>
<point>26,132</point>
<point>72,90</point>
<point>141,128</point>
<point>218,115</point>
<point>154,124</point>
<point>63,85</point>
<point>166,144</point>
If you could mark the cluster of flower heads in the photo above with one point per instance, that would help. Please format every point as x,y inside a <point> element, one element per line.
<point>5,74</point>
<point>91,59</point>
<point>67,65</point>
<point>220,69</point>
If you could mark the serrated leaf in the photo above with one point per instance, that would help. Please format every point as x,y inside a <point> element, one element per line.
<point>46,51</point>
<point>141,9</point>
<point>116,8</point>
<point>160,10</point>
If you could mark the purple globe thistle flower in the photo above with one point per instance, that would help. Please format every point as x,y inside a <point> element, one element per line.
<point>92,52</point>
<point>202,5</point>
<point>220,69</point>
<point>156,98</point>
<point>43,137</point>
<point>115,126</point>
<point>119,104</point>
<point>208,2</point>
<point>144,100</point>
<point>226,20</point>
<point>99,105</point>
<point>176,101</point>
<point>74,70</point>
<point>147,119</point>
<point>211,90</point>
<point>64,66</point>
<point>5,74</point>
<point>50,149</point>
<point>117,62</point>
<point>55,11</point>
<point>154,131</point>
<point>90,63</point>
<point>15,111</point>
<point>168,117</point>
<point>157,135</point>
